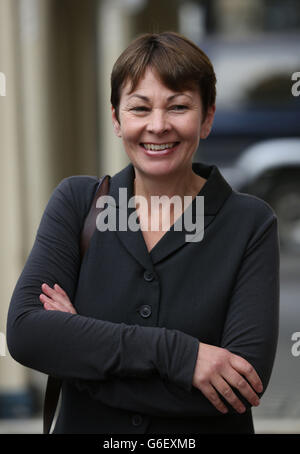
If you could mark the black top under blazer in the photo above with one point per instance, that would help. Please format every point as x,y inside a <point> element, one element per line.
<point>127,358</point>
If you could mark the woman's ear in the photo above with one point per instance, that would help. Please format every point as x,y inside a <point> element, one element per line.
<point>116,124</point>
<point>208,122</point>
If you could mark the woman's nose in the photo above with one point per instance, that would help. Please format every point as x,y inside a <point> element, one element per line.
<point>158,122</point>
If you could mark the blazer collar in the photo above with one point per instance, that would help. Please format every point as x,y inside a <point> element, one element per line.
<point>215,191</point>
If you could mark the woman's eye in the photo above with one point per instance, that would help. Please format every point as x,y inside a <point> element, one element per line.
<point>179,107</point>
<point>140,109</point>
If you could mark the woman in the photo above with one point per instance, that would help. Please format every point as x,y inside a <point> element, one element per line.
<point>154,333</point>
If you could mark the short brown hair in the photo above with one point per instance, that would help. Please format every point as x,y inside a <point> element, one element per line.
<point>178,61</point>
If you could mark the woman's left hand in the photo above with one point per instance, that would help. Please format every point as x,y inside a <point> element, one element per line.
<point>56,299</point>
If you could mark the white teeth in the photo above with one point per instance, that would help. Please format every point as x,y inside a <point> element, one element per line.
<point>163,146</point>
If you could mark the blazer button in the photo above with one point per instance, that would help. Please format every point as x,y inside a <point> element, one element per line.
<point>137,420</point>
<point>148,276</point>
<point>145,311</point>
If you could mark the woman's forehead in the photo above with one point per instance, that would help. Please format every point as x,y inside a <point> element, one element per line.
<point>150,82</point>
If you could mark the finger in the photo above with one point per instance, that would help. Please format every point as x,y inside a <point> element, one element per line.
<point>63,294</point>
<point>61,291</point>
<point>44,299</point>
<point>226,391</point>
<point>54,306</point>
<point>66,299</point>
<point>55,295</point>
<point>58,302</point>
<point>247,370</point>
<point>211,394</point>
<point>50,304</point>
<point>48,307</point>
<point>237,381</point>
<point>51,292</point>
<point>47,303</point>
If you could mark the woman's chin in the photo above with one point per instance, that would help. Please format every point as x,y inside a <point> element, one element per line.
<point>157,169</point>
<point>158,165</point>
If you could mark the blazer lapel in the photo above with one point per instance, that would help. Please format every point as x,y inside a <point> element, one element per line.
<point>215,192</point>
<point>173,240</point>
<point>133,241</point>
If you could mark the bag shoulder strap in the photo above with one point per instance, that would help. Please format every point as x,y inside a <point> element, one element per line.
<point>53,383</point>
<point>90,221</point>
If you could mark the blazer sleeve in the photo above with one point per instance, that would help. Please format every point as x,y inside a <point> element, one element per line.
<point>70,345</point>
<point>250,330</point>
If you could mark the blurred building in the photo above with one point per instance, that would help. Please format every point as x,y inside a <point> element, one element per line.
<point>57,56</point>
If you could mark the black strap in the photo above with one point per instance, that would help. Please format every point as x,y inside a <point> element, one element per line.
<point>53,383</point>
<point>51,400</point>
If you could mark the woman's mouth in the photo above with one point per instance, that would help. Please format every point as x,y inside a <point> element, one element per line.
<point>161,149</point>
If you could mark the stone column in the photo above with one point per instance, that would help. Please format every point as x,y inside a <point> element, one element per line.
<point>113,36</point>
<point>14,395</point>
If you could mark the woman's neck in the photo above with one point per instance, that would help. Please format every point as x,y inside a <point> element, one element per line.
<point>184,184</point>
<point>164,214</point>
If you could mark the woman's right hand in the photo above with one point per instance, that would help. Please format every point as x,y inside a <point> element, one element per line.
<point>218,371</point>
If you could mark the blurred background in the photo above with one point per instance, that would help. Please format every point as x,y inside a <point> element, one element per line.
<point>55,62</point>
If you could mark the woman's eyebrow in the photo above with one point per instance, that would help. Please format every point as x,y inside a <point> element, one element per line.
<point>178,94</point>
<point>144,98</point>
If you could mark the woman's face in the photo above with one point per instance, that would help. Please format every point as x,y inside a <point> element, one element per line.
<point>160,128</point>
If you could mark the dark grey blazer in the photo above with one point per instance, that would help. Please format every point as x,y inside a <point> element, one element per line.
<point>127,358</point>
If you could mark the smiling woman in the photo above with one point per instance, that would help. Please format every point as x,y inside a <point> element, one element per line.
<point>161,129</point>
<point>163,94</point>
<point>150,332</point>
